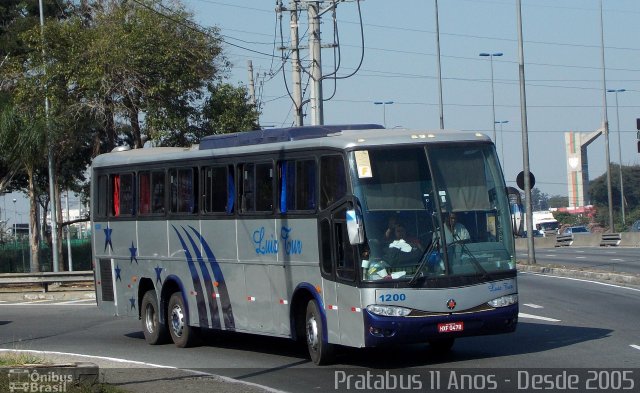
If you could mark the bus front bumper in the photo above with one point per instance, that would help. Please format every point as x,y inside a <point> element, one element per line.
<point>383,330</point>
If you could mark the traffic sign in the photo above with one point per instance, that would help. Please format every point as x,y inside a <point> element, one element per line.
<point>532,180</point>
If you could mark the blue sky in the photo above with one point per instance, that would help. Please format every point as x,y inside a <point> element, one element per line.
<point>562,66</point>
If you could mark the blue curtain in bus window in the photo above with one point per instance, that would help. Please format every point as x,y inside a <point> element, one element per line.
<point>231,186</point>
<point>283,186</point>
<point>292,186</point>
<point>306,185</point>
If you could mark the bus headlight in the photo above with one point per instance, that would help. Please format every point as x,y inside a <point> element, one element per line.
<point>503,301</point>
<point>388,311</point>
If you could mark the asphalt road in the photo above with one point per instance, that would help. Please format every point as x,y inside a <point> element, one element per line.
<point>564,324</point>
<point>611,259</point>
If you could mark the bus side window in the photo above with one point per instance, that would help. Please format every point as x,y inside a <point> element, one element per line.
<point>183,191</point>
<point>326,257</point>
<point>127,192</point>
<point>157,189</point>
<point>144,193</point>
<point>297,185</point>
<point>264,187</point>
<point>246,193</point>
<point>333,183</point>
<point>102,194</point>
<point>215,189</point>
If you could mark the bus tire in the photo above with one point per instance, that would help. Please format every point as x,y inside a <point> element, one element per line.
<point>154,332</point>
<point>441,345</point>
<point>182,334</point>
<point>320,351</point>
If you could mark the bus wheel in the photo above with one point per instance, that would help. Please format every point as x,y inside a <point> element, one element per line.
<point>182,334</point>
<point>154,331</point>
<point>321,352</point>
<point>441,345</point>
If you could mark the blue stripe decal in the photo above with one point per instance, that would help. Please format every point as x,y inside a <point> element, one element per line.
<point>227,311</point>
<point>208,284</point>
<point>202,310</point>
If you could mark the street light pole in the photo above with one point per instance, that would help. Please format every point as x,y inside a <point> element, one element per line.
<point>439,68</point>
<point>619,151</point>
<point>15,222</point>
<point>384,110</point>
<point>493,103</point>
<point>605,121</point>
<point>501,122</point>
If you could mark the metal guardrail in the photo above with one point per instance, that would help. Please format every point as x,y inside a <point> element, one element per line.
<point>611,239</point>
<point>46,278</point>
<point>564,240</point>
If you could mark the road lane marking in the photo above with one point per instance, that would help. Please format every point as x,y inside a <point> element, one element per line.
<point>635,346</point>
<point>533,305</point>
<point>529,316</point>
<point>581,280</point>
<point>145,364</point>
<point>551,255</point>
<point>617,259</point>
<point>581,257</point>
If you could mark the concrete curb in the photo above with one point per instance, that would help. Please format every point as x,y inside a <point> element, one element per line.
<point>61,295</point>
<point>607,277</point>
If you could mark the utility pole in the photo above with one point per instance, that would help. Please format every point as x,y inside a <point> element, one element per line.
<point>439,69</point>
<point>52,184</point>
<point>252,86</point>
<point>295,64</point>
<point>605,123</point>
<point>525,138</point>
<point>317,113</point>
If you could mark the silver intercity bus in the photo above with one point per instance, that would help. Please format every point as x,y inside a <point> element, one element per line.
<point>336,235</point>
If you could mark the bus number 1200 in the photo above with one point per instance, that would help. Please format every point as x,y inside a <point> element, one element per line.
<point>396,297</point>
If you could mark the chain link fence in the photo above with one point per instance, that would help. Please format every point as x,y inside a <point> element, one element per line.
<point>15,256</point>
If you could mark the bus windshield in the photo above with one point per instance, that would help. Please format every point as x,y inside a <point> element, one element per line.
<point>432,211</point>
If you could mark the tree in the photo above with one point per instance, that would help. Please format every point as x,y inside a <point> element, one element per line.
<point>149,64</point>
<point>227,109</point>
<point>558,201</point>
<point>21,139</point>
<point>113,72</point>
<point>631,181</point>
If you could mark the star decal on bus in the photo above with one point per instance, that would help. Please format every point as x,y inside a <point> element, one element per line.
<point>158,270</point>
<point>118,270</point>
<point>133,303</point>
<point>133,250</point>
<point>107,238</point>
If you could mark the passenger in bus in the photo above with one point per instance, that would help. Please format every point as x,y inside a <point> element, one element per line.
<point>390,233</point>
<point>454,231</point>
<point>403,251</point>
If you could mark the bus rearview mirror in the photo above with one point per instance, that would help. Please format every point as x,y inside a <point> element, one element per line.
<point>355,229</point>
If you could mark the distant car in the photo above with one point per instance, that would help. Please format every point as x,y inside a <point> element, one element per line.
<point>578,230</point>
<point>635,227</point>
<point>536,233</point>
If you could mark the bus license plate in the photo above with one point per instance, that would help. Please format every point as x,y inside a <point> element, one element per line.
<point>450,327</point>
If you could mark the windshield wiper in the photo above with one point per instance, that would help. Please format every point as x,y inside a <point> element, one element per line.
<point>423,260</point>
<point>473,258</point>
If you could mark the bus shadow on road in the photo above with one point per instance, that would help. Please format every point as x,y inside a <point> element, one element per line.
<point>527,339</point>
